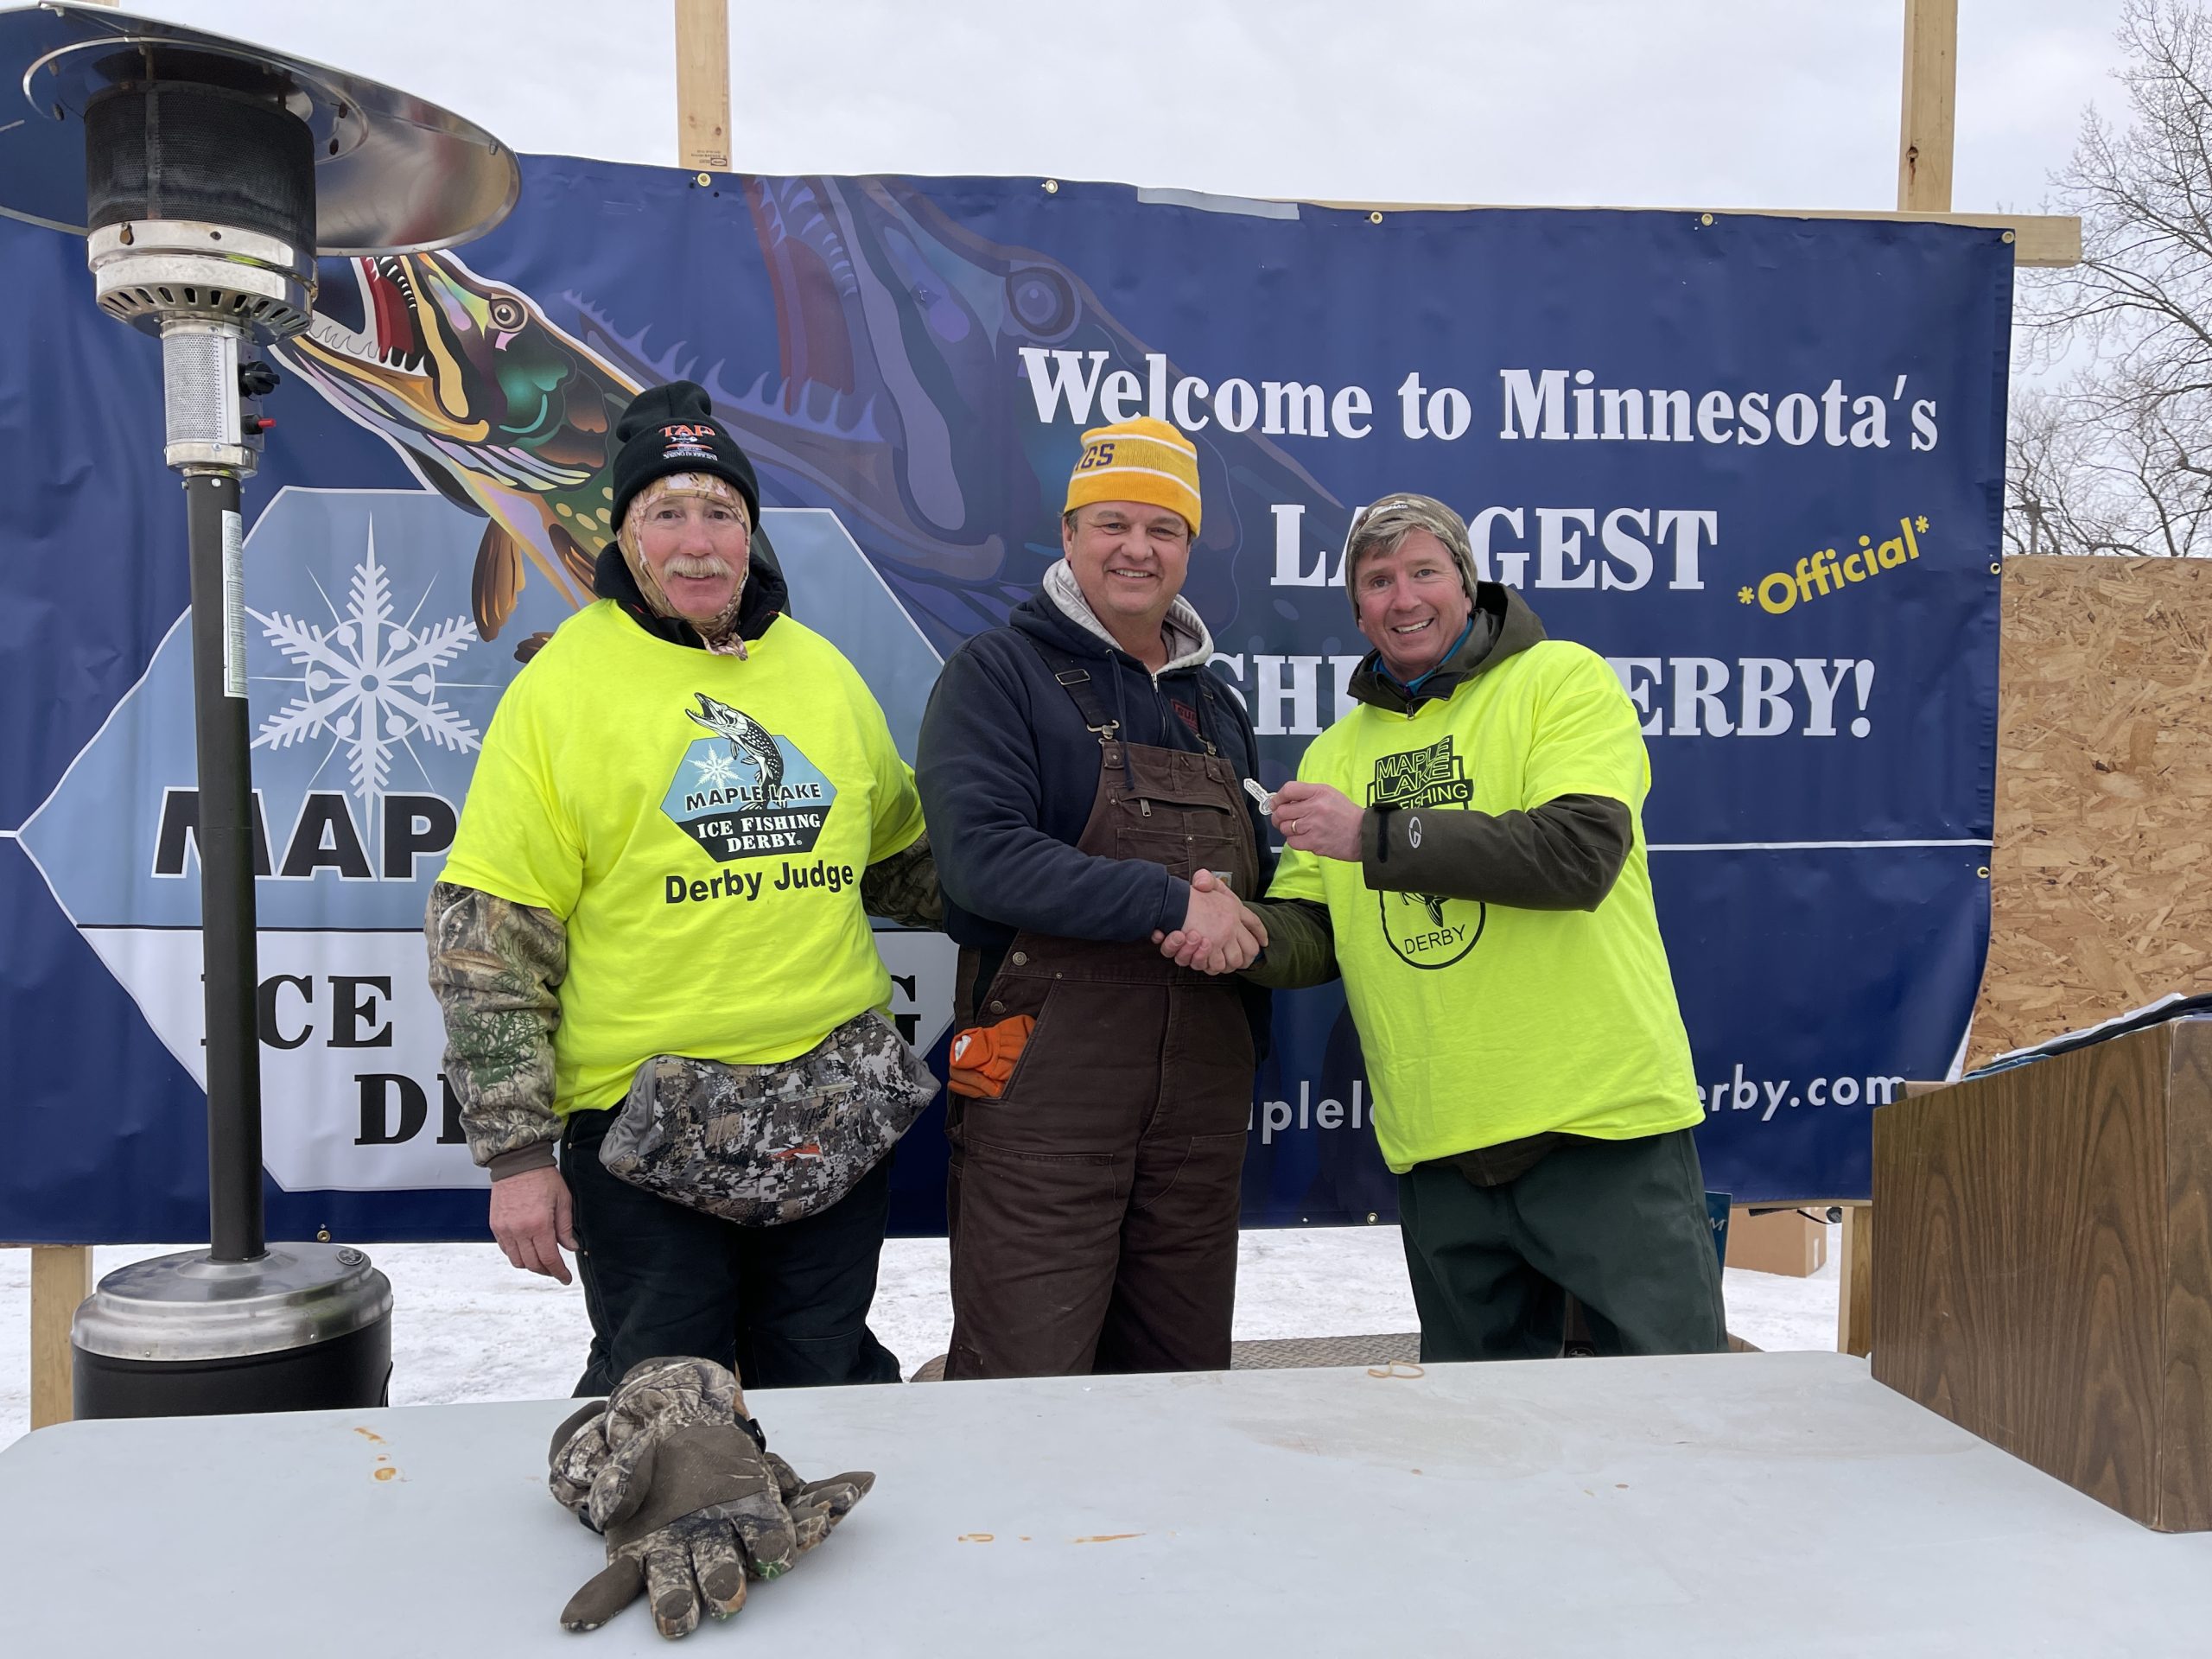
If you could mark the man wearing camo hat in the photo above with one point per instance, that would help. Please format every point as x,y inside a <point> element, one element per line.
<point>1464,846</point>
<point>652,945</point>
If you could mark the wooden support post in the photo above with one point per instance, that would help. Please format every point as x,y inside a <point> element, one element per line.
<point>61,1277</point>
<point>1855,1302</point>
<point>1931,76</point>
<point>702,84</point>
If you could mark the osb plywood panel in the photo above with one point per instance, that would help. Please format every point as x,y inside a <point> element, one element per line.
<point>2102,879</point>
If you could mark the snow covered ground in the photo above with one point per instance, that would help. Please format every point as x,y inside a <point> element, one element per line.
<point>467,1326</point>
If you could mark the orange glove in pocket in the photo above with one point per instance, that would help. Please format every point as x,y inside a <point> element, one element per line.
<point>984,1057</point>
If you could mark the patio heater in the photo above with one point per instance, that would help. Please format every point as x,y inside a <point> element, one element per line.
<point>208,175</point>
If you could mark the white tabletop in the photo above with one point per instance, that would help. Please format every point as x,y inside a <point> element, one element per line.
<point>1736,1504</point>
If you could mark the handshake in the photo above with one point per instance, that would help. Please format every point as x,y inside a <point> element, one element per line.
<point>1218,934</point>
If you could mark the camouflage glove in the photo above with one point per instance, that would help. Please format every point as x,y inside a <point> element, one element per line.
<point>678,1478</point>
<point>598,1453</point>
<point>818,1505</point>
<point>579,1448</point>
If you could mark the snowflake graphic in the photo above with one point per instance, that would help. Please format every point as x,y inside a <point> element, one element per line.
<point>717,770</point>
<point>372,682</point>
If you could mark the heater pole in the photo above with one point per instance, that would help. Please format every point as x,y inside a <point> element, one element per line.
<point>229,975</point>
<point>205,175</point>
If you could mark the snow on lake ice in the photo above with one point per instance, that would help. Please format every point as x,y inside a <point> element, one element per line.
<point>467,1326</point>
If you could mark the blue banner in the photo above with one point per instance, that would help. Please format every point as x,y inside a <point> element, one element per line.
<point>1753,461</point>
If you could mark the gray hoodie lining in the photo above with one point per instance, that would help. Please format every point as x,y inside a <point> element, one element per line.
<point>1189,645</point>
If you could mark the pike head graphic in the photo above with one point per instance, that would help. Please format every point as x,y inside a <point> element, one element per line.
<point>490,403</point>
<point>900,401</point>
<point>748,739</point>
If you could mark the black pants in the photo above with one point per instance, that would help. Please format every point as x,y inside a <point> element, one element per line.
<point>783,1306</point>
<point>1620,1225</point>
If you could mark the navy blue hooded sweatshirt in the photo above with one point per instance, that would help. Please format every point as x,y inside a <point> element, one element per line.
<point>1008,771</point>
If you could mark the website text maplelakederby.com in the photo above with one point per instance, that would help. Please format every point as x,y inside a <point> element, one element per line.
<point>1735,1093</point>
<point>1767,1097</point>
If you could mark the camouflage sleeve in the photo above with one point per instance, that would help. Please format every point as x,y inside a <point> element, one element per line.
<point>496,967</point>
<point>903,887</point>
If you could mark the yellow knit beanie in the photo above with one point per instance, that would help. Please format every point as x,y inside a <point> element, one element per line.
<point>1143,460</point>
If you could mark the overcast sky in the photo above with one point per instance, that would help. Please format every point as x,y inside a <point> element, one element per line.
<point>1679,103</point>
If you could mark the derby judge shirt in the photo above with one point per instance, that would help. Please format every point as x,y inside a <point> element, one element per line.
<point>700,824</point>
<point>1481,1023</point>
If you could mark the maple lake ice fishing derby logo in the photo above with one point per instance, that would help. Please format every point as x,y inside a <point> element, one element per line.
<point>369,694</point>
<point>746,792</point>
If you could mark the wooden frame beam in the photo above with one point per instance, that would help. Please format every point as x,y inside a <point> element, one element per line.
<point>702,85</point>
<point>1929,115</point>
<point>61,1277</point>
<point>1854,1303</point>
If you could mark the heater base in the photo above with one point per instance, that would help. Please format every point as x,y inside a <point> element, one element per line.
<point>307,1327</point>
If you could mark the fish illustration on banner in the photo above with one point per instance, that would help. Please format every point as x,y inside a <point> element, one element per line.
<point>490,404</point>
<point>897,333</point>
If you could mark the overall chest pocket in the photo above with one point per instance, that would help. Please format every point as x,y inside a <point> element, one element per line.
<point>1183,834</point>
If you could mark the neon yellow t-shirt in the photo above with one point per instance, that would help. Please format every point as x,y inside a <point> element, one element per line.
<point>701,824</point>
<point>1485,1023</point>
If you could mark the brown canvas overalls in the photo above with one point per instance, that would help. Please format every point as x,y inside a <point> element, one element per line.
<point>1093,1205</point>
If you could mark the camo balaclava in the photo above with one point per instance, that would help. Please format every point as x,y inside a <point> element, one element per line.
<point>718,632</point>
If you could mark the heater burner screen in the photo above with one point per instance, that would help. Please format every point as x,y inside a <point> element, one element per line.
<point>200,386</point>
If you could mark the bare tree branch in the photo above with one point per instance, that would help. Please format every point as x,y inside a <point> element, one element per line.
<point>2117,456</point>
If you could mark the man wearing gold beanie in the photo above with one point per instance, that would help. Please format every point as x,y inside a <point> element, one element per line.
<point>1078,767</point>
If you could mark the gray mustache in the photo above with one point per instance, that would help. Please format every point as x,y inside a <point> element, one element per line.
<point>685,565</point>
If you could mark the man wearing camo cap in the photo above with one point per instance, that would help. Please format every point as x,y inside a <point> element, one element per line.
<point>1464,846</point>
<point>651,943</point>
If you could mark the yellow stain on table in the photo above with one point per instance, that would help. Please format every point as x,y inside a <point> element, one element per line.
<point>1094,1538</point>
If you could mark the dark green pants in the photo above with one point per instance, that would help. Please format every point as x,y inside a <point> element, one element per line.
<point>1619,1225</point>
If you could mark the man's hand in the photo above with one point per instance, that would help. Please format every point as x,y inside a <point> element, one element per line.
<point>1314,818</point>
<point>530,1217</point>
<point>1218,934</point>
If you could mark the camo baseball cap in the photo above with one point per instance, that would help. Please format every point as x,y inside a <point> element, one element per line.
<point>1380,525</point>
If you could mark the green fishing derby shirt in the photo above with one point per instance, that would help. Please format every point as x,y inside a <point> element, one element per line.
<point>1482,1023</point>
<point>700,824</point>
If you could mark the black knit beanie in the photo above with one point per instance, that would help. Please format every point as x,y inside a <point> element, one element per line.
<point>673,428</point>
